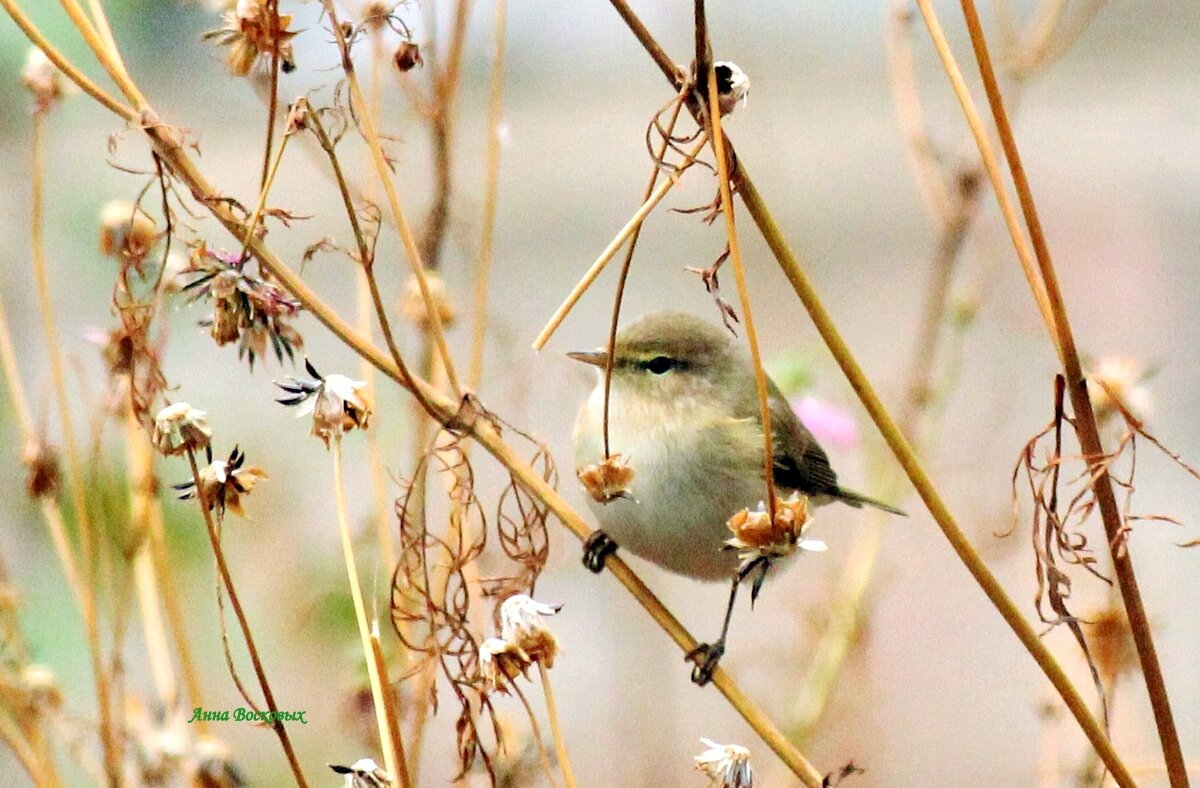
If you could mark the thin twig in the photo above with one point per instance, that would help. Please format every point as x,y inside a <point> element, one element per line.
<point>543,756</point>
<point>560,744</point>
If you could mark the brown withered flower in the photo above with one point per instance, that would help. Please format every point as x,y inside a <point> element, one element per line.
<point>414,308</point>
<point>500,662</point>
<point>407,56</point>
<point>607,480</point>
<point>725,765</point>
<point>43,476</point>
<point>126,233</point>
<point>223,483</point>
<point>756,535</point>
<point>180,428</point>
<point>336,403</point>
<point>252,32</point>
<point>247,309</point>
<point>521,624</point>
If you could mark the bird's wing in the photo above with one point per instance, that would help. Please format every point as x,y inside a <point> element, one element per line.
<point>800,462</point>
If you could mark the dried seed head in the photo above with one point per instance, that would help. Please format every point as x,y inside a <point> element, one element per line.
<point>1126,380</point>
<point>521,624</point>
<point>408,56</point>
<point>251,31</point>
<point>223,482</point>
<point>43,477</point>
<point>180,428</point>
<point>726,765</point>
<point>412,303</point>
<point>755,534</point>
<point>43,79</point>
<point>1111,642</point>
<point>500,662</point>
<point>336,403</point>
<point>607,480</point>
<point>364,773</point>
<point>297,119</point>
<point>733,86</point>
<point>126,233</point>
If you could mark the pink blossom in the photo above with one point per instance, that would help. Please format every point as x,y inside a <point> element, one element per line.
<point>828,423</point>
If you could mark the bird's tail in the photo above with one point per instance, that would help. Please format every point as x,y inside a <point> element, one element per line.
<point>858,500</point>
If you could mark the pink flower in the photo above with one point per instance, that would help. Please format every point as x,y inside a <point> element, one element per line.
<point>828,423</point>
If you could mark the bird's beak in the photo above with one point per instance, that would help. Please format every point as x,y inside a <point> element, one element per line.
<point>597,358</point>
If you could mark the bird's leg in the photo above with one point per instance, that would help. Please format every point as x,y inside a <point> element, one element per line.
<point>596,550</point>
<point>707,655</point>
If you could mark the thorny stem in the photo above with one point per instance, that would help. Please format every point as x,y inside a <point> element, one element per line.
<point>371,136</point>
<point>543,756</point>
<point>444,410</point>
<point>615,245</point>
<point>900,446</point>
<point>1085,420</point>
<point>735,255</point>
<point>387,734</point>
<point>560,743</point>
<point>227,579</point>
<point>75,477</point>
<point>483,266</point>
<point>623,277</point>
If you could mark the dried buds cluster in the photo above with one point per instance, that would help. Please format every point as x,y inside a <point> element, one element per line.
<point>252,31</point>
<point>725,765</point>
<point>223,483</point>
<point>126,233</point>
<point>607,480</point>
<point>363,773</point>
<point>524,640</point>
<point>336,403</point>
<point>180,428</point>
<point>757,535</point>
<point>246,309</point>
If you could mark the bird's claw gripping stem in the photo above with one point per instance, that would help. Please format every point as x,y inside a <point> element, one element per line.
<point>596,550</point>
<point>705,657</point>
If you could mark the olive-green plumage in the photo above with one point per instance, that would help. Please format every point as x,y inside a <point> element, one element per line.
<point>684,413</point>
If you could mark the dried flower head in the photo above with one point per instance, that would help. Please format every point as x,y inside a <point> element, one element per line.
<point>297,119</point>
<point>43,477</point>
<point>247,309</point>
<point>126,233</point>
<point>501,661</point>
<point>1126,380</point>
<point>43,79</point>
<point>407,57</point>
<point>733,86</point>
<point>215,768</point>
<point>180,428</point>
<point>521,624</point>
<point>607,480</point>
<point>726,765</point>
<point>39,682</point>
<point>336,403</point>
<point>1110,641</point>
<point>364,773</point>
<point>223,483</point>
<point>756,535</point>
<point>251,32</point>
<point>412,303</point>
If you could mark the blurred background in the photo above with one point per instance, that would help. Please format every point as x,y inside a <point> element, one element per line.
<point>936,691</point>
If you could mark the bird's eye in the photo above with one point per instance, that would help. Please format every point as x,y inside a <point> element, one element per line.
<point>660,365</point>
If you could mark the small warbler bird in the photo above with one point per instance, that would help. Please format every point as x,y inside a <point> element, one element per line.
<point>684,414</point>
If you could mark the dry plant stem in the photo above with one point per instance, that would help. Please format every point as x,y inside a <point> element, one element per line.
<point>560,743</point>
<point>75,478</point>
<point>140,461</point>
<point>623,277</point>
<point>387,741</point>
<point>391,713</point>
<point>272,103</point>
<point>543,756</point>
<point>268,179</point>
<point>385,176</point>
<point>923,484</point>
<point>483,265</point>
<point>735,258</point>
<point>104,53</point>
<point>227,579</point>
<point>21,750</point>
<point>614,246</point>
<point>1085,421</point>
<point>444,409</point>
<point>992,167</point>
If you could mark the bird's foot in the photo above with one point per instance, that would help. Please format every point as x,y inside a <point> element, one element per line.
<point>705,658</point>
<point>596,550</point>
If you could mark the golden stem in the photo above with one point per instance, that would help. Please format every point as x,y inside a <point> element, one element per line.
<point>543,756</point>
<point>560,743</point>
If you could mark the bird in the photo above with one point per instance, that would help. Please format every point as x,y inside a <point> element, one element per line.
<point>684,414</point>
